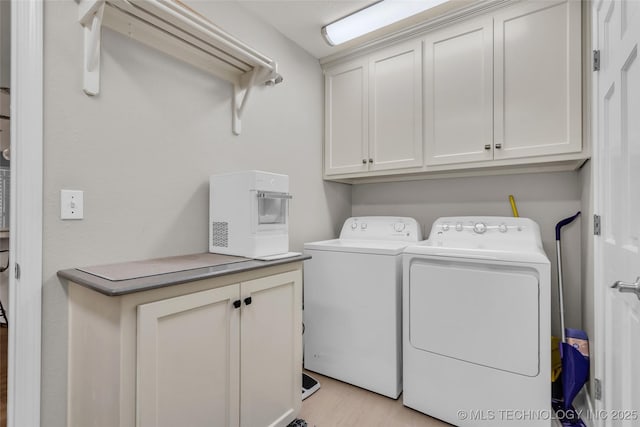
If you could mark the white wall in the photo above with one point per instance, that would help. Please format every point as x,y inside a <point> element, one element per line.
<point>143,149</point>
<point>545,198</point>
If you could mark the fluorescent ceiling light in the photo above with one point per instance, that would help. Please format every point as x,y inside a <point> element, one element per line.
<point>371,18</point>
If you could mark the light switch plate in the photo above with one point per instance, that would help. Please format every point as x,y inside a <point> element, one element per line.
<point>71,204</point>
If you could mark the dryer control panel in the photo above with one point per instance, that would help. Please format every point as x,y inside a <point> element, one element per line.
<point>484,231</point>
<point>478,225</point>
<point>381,228</point>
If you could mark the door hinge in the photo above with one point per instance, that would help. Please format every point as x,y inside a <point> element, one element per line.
<point>596,60</point>
<point>596,225</point>
<point>17,271</point>
<point>598,386</point>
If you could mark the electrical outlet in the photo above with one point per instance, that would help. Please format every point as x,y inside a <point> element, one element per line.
<point>71,204</point>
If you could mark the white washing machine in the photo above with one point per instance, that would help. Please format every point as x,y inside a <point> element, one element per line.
<point>476,323</point>
<point>353,303</point>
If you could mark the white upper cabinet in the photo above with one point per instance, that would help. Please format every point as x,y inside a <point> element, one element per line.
<point>373,112</point>
<point>395,107</point>
<point>458,110</point>
<point>346,121</point>
<point>501,88</point>
<point>537,105</point>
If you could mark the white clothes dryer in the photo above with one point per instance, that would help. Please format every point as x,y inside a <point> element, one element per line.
<point>353,303</point>
<point>476,323</point>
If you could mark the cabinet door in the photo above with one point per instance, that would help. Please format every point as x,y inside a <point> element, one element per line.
<point>187,360</point>
<point>271,355</point>
<point>537,79</point>
<point>395,107</point>
<point>346,131</point>
<point>458,92</point>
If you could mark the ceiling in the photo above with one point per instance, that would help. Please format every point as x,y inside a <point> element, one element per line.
<point>301,20</point>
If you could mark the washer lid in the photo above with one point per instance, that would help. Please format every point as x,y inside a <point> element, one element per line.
<point>505,253</point>
<point>381,247</point>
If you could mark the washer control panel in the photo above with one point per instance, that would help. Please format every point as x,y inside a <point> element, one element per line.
<point>382,228</point>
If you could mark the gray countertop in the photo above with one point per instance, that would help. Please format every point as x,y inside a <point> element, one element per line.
<point>123,287</point>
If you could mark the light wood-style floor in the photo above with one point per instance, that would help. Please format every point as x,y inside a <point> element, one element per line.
<point>339,404</point>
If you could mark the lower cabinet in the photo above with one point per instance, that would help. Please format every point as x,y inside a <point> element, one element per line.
<point>270,345</point>
<point>226,355</point>
<point>188,360</point>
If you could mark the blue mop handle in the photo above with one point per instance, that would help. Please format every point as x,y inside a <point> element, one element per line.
<point>564,222</point>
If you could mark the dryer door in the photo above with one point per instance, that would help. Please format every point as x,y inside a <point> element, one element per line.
<point>486,314</point>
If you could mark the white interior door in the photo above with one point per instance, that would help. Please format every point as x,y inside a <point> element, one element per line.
<point>617,175</point>
<point>25,289</point>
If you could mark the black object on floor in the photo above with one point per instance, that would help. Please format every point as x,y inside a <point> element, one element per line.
<point>298,423</point>
<point>309,386</point>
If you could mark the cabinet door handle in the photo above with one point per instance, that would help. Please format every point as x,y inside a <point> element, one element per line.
<point>487,147</point>
<point>237,304</point>
<point>364,161</point>
<point>247,301</point>
<point>498,146</point>
<point>370,160</point>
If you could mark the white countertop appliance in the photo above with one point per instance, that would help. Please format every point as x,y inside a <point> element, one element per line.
<point>476,323</point>
<point>249,214</point>
<point>353,303</point>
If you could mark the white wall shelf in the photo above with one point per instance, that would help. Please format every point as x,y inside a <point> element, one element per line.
<point>177,30</point>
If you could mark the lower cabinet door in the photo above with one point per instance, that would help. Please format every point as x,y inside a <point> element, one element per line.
<point>187,360</point>
<point>271,350</point>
